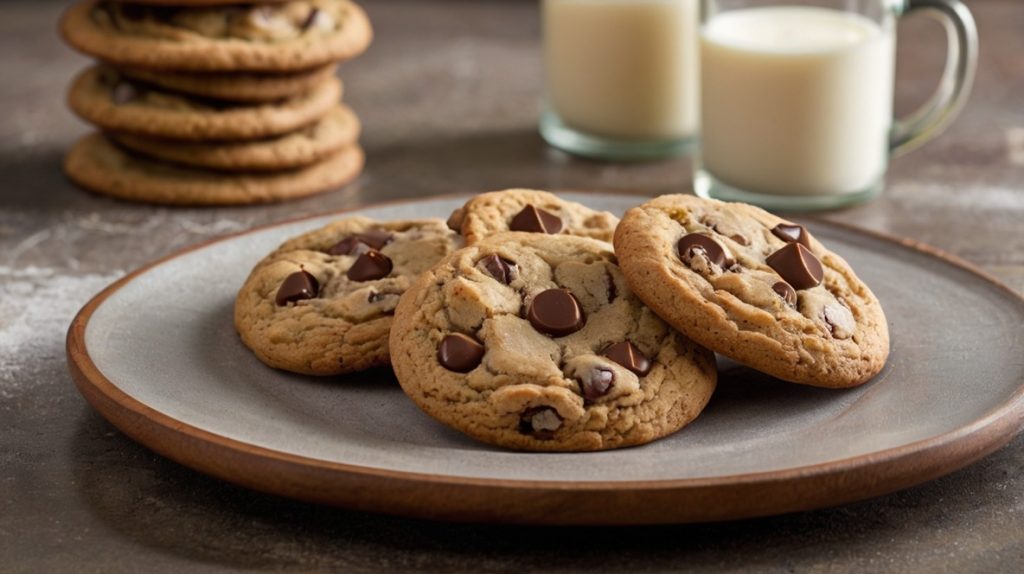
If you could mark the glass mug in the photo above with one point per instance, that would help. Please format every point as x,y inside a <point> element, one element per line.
<point>796,97</point>
<point>621,77</point>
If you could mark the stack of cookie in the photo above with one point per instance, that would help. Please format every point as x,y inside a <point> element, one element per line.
<point>214,101</point>
<point>544,325</point>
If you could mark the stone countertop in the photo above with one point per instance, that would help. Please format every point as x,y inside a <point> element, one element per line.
<point>448,94</point>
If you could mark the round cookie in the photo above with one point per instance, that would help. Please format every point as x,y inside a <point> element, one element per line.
<point>536,343</point>
<point>104,98</point>
<point>755,288</point>
<point>235,87</point>
<point>279,37</point>
<point>322,303</point>
<point>529,210</point>
<point>97,164</point>
<point>339,128</point>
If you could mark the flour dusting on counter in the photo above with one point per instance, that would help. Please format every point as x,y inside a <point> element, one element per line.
<point>37,305</point>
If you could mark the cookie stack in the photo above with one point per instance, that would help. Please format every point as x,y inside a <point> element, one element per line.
<point>543,325</point>
<point>213,101</point>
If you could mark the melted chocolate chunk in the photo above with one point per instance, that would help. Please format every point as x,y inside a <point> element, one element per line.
<point>536,221</point>
<point>459,353</point>
<point>792,233</point>
<point>540,422</point>
<point>797,265</point>
<point>596,382</point>
<point>369,266</point>
<point>786,291</point>
<point>314,13</point>
<point>556,312</point>
<point>502,270</point>
<point>694,243</point>
<point>296,287</point>
<point>349,246</point>
<point>123,93</point>
<point>627,355</point>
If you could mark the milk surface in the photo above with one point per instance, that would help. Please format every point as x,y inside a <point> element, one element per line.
<point>623,68</point>
<point>796,100</point>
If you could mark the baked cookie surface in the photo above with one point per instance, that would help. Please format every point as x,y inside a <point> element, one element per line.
<point>276,37</point>
<point>529,210</point>
<point>536,343</point>
<point>322,303</point>
<point>235,86</point>
<point>105,98</point>
<point>339,128</point>
<point>101,166</point>
<point>755,288</point>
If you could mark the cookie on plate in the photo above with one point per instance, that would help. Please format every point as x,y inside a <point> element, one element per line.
<point>529,210</point>
<point>105,98</point>
<point>338,129</point>
<point>237,86</point>
<point>536,343</point>
<point>755,288</point>
<point>279,37</point>
<point>97,164</point>
<point>322,303</point>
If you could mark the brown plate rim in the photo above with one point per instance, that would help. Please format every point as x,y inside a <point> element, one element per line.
<point>539,502</point>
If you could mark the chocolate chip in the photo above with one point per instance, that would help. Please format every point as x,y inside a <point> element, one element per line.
<point>792,233</point>
<point>694,243</point>
<point>376,238</point>
<point>459,353</point>
<point>596,382</point>
<point>310,18</point>
<point>124,92</point>
<point>502,270</point>
<point>536,221</point>
<point>369,266</point>
<point>628,356</point>
<point>786,291</point>
<point>797,265</point>
<point>296,287</point>
<point>348,246</point>
<point>556,312</point>
<point>540,422</point>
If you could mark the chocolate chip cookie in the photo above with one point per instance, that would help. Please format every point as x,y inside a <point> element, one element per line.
<point>278,37</point>
<point>531,211</point>
<point>338,129</point>
<point>97,164</point>
<point>105,98</point>
<point>322,303</point>
<point>536,343</point>
<point>755,288</point>
<point>235,86</point>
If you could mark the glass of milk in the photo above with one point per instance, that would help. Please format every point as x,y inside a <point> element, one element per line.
<point>621,77</point>
<point>797,97</point>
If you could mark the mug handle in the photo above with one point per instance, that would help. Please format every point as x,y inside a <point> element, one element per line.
<point>957,78</point>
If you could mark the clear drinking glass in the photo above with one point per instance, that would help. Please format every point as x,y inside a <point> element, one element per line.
<point>621,77</point>
<point>797,97</point>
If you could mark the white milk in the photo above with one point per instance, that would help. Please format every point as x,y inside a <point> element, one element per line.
<point>623,68</point>
<point>797,100</point>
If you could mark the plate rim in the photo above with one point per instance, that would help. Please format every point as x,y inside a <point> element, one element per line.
<point>424,495</point>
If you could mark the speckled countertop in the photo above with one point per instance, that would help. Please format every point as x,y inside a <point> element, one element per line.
<point>448,94</point>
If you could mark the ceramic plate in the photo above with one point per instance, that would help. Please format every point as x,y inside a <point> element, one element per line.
<point>156,354</point>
